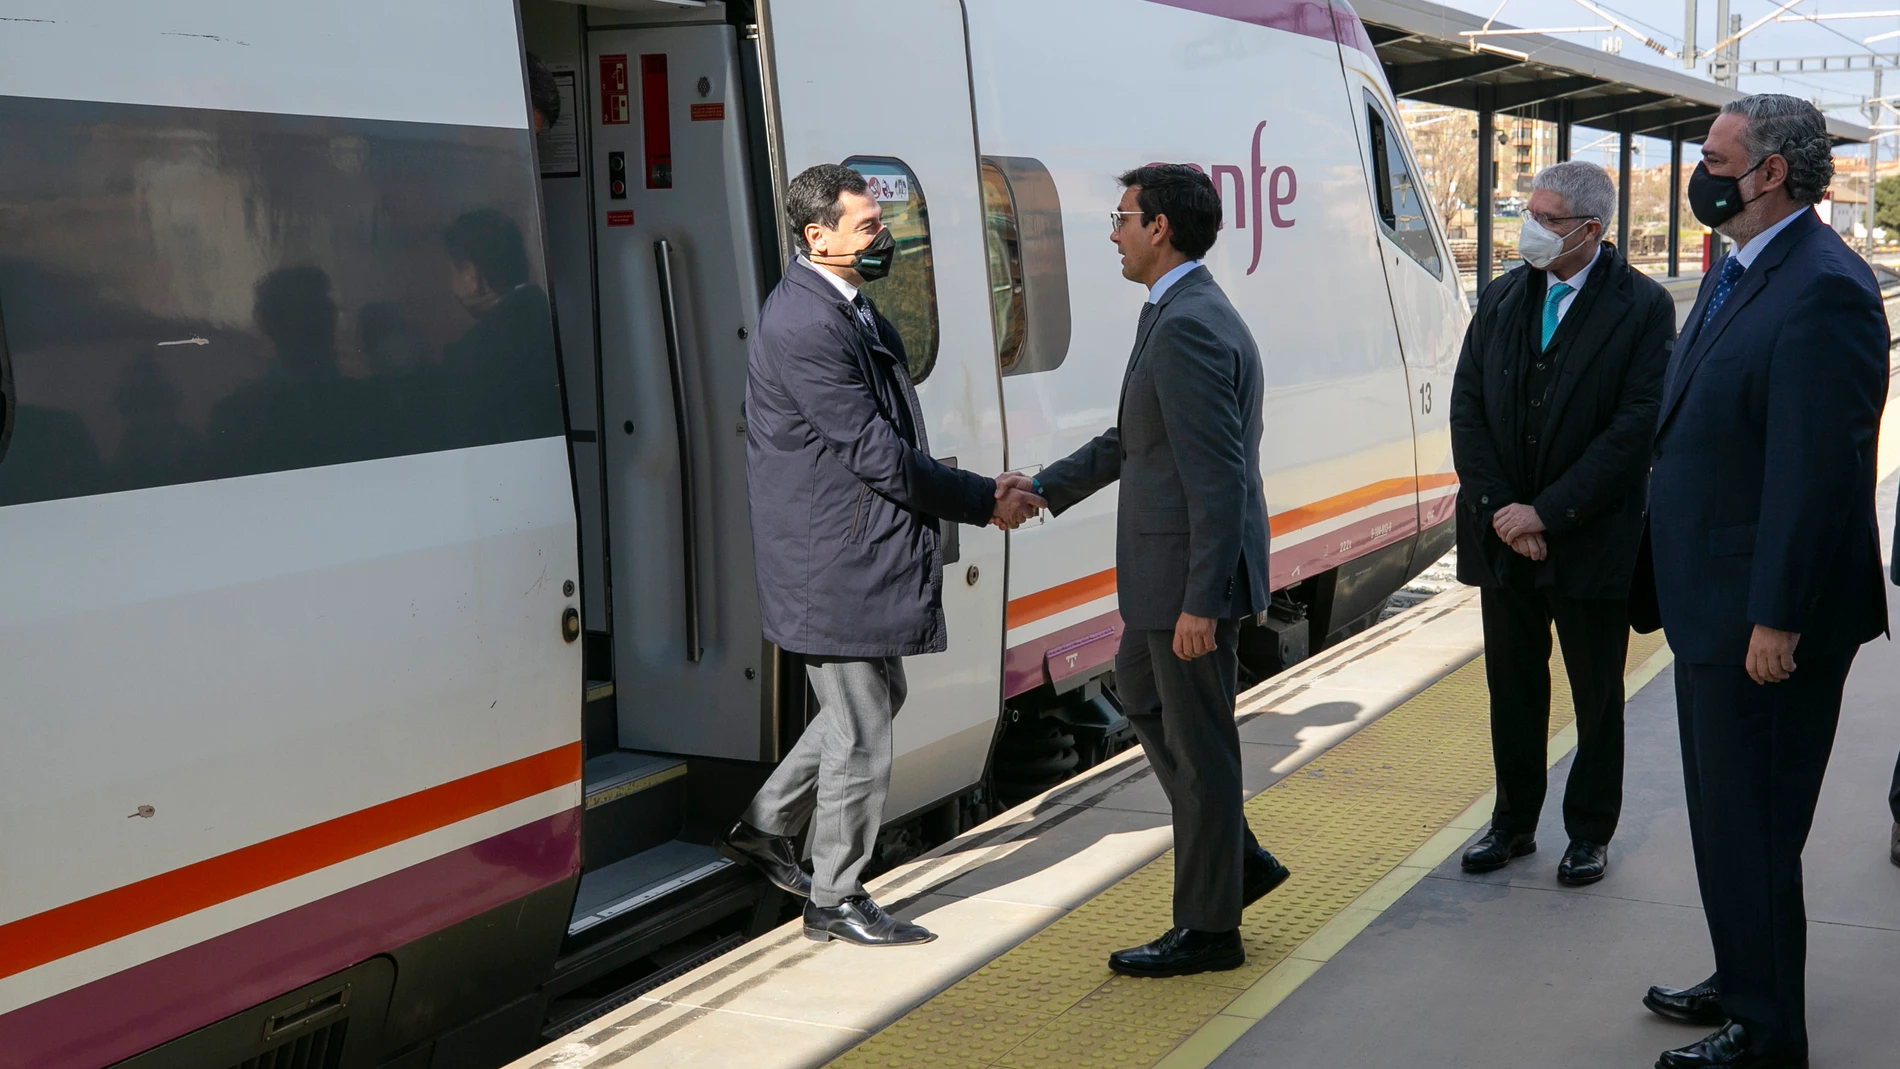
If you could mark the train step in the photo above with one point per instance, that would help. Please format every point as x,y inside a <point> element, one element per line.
<point>632,882</point>
<point>634,802</point>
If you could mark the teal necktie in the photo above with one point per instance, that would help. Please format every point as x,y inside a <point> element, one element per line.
<point>1558,291</point>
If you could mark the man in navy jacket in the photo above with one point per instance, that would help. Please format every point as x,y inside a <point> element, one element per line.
<point>847,506</point>
<point>1767,569</point>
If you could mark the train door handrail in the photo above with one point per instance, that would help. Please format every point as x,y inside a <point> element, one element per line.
<point>682,423</point>
<point>7,400</point>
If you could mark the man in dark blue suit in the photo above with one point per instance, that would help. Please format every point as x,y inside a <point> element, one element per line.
<point>1767,570</point>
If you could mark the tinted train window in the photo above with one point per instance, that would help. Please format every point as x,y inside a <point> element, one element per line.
<point>1401,203</point>
<point>1028,269</point>
<point>908,295</point>
<point>194,294</point>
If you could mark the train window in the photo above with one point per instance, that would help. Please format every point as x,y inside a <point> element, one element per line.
<point>1029,274</point>
<point>1400,202</point>
<point>908,295</point>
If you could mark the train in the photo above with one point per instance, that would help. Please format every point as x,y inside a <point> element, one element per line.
<point>379,647</point>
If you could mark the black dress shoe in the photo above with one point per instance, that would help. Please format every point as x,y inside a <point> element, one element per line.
<point>1260,873</point>
<point>774,855</point>
<point>1725,1048</point>
<point>1701,1004</point>
<point>859,920</point>
<point>1497,848</point>
<point>1181,952</point>
<point>1585,862</point>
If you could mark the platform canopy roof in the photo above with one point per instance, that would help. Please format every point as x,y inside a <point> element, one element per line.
<point>1426,60</point>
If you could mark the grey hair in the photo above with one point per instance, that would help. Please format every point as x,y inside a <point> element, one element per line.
<point>1792,128</point>
<point>1584,186</point>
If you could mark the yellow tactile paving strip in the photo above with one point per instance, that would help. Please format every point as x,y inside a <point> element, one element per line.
<point>1341,823</point>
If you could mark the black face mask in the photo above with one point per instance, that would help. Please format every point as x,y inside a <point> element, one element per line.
<point>871,262</point>
<point>1715,198</point>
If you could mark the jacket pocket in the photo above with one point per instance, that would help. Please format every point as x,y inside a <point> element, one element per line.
<point>1159,521</point>
<point>856,532</point>
<point>1736,540</point>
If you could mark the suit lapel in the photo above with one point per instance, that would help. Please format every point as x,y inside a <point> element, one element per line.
<point>1689,356</point>
<point>1146,328</point>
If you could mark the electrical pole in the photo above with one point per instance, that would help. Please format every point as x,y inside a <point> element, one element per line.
<point>1721,31</point>
<point>1688,34</point>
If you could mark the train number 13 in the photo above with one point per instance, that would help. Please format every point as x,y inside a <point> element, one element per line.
<point>1425,398</point>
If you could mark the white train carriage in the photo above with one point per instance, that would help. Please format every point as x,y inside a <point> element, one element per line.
<point>378,643</point>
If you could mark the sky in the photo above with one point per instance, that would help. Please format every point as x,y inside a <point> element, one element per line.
<point>1840,95</point>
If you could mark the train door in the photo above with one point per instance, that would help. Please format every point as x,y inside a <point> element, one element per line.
<point>1427,305</point>
<point>900,112</point>
<point>678,293</point>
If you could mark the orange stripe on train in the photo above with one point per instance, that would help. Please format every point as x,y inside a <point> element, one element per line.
<point>1046,603</point>
<point>90,922</point>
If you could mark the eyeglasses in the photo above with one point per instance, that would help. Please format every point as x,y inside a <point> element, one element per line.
<point>1115,220</point>
<point>1547,220</point>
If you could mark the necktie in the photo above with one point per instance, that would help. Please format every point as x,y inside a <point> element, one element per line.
<point>1558,291</point>
<point>864,314</point>
<point>1731,274</point>
<point>1147,313</point>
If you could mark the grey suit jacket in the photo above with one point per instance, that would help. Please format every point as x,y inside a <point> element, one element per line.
<point>1191,534</point>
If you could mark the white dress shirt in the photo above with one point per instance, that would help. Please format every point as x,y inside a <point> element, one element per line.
<point>1163,283</point>
<point>1575,282</point>
<point>1746,257</point>
<point>850,292</point>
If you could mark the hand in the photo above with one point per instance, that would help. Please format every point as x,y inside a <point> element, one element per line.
<point>1514,521</point>
<point>1532,546</point>
<point>1016,502</point>
<point>1771,654</point>
<point>1193,636</point>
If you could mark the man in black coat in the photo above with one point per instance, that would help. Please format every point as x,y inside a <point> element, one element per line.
<point>846,511</point>
<point>1552,414</point>
<point>1767,560</point>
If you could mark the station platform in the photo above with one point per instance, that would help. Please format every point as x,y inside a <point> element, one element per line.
<point>1369,770</point>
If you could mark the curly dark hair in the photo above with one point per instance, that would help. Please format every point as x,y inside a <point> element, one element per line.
<point>1792,128</point>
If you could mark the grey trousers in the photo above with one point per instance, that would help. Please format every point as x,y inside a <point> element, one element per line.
<point>839,771</point>
<point>1183,713</point>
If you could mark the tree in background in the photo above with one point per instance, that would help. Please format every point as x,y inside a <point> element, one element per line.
<point>1887,202</point>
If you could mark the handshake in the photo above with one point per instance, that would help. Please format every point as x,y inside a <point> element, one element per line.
<point>1016,501</point>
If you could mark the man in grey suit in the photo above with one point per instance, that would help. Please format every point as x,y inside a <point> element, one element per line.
<point>1190,555</point>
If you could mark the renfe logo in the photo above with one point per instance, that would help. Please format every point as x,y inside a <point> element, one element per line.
<point>1278,190</point>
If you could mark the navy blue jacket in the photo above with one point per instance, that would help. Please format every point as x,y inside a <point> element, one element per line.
<point>845,496</point>
<point>1761,502</point>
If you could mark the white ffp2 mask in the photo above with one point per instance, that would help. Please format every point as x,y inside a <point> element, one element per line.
<point>1539,246</point>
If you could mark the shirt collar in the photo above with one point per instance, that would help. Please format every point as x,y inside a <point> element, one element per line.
<point>1576,281</point>
<point>1167,281</point>
<point>1746,256</point>
<point>849,291</point>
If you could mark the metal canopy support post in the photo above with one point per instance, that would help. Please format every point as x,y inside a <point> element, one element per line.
<point>1675,200</point>
<point>1563,130</point>
<point>1873,161</point>
<point>1487,151</point>
<point>1626,136</point>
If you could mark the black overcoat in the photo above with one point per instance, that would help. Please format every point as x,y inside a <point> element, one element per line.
<point>1587,475</point>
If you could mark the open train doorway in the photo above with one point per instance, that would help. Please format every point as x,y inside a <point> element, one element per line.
<point>650,185</point>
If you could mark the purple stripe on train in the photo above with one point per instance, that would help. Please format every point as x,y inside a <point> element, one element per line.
<point>148,1004</point>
